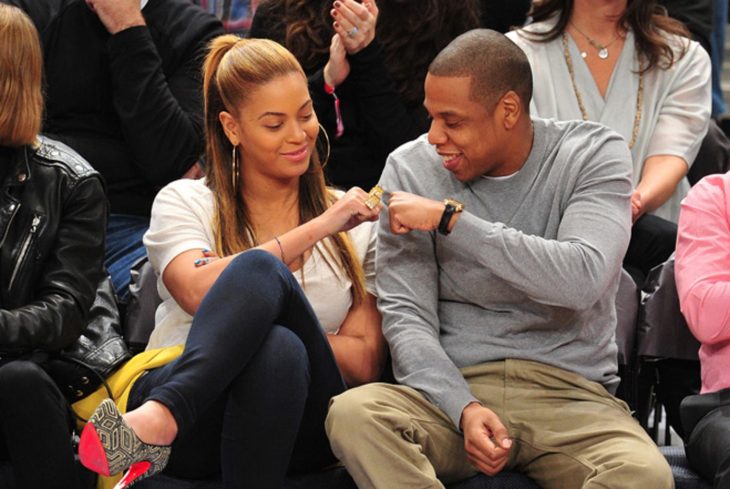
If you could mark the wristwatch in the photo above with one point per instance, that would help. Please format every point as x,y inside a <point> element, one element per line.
<point>451,207</point>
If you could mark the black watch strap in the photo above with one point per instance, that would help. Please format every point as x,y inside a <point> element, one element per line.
<point>446,218</point>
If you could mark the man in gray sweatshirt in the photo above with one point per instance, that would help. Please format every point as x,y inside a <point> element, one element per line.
<point>498,303</point>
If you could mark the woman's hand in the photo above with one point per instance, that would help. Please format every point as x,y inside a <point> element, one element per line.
<point>355,23</point>
<point>208,256</point>
<point>636,206</point>
<point>337,67</point>
<point>349,211</point>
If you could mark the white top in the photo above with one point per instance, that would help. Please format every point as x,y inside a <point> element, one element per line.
<point>181,220</point>
<point>675,112</point>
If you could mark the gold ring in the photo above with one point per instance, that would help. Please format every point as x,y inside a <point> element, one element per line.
<point>374,196</point>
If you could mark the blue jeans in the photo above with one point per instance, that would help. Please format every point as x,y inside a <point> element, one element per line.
<point>251,390</point>
<point>124,249</point>
<point>717,40</point>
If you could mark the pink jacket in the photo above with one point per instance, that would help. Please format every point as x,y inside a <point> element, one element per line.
<point>703,275</point>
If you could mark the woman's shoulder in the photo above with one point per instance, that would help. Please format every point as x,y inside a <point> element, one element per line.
<point>684,47</point>
<point>187,187</point>
<point>530,34</point>
<point>181,194</point>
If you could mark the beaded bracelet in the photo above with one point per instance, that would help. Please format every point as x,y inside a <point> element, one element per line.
<point>281,250</point>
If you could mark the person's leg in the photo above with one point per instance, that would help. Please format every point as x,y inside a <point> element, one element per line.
<point>254,293</point>
<point>652,242</point>
<point>36,427</point>
<point>195,454</point>
<point>708,447</point>
<point>391,436</point>
<point>717,40</point>
<point>571,432</point>
<point>250,431</point>
<point>265,413</point>
<point>124,248</point>
<point>237,350</point>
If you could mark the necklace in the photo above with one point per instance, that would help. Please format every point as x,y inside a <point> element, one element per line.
<point>579,97</point>
<point>602,49</point>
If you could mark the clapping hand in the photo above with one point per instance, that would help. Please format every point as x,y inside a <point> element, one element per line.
<point>355,23</point>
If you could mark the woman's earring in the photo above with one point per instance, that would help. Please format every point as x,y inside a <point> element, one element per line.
<point>235,170</point>
<point>323,146</point>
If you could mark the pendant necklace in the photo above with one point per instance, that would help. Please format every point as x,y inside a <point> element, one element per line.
<point>602,49</point>
<point>579,97</point>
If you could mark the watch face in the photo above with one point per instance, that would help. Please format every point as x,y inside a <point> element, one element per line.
<point>458,206</point>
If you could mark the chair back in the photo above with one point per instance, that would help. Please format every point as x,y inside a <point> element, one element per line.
<point>139,319</point>
<point>663,331</point>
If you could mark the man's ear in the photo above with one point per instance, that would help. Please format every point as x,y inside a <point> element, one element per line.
<point>511,108</point>
<point>230,127</point>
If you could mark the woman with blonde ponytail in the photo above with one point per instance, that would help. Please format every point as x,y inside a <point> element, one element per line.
<point>266,277</point>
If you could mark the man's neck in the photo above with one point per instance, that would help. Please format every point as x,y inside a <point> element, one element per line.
<point>519,148</point>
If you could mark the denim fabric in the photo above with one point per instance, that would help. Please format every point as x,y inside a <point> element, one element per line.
<point>124,248</point>
<point>719,24</point>
<point>250,392</point>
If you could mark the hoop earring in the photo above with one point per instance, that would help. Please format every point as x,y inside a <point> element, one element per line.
<point>235,169</point>
<point>326,144</point>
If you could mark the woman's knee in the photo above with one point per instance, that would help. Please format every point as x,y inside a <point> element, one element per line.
<point>21,374</point>
<point>281,359</point>
<point>257,263</point>
<point>286,353</point>
<point>20,377</point>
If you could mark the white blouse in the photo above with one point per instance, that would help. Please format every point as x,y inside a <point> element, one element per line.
<point>181,220</point>
<point>675,109</point>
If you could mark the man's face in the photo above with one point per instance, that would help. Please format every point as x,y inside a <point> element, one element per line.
<point>464,133</point>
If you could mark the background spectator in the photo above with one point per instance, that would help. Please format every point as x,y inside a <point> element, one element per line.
<point>123,89</point>
<point>236,15</point>
<point>52,219</point>
<point>263,355</point>
<point>703,283</point>
<point>629,67</point>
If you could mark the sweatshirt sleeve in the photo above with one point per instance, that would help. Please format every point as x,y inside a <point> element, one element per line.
<point>407,282</point>
<point>574,269</point>
<point>702,264</point>
<point>161,113</point>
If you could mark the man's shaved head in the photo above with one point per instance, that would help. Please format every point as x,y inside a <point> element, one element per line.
<point>493,62</point>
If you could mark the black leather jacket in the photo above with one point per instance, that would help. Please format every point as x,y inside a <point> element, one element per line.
<point>53,215</point>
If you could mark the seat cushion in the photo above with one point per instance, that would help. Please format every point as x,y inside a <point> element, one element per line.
<point>684,476</point>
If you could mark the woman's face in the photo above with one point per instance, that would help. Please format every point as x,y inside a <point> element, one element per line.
<point>276,130</point>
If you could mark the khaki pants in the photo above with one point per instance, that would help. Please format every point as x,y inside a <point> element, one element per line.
<point>567,433</point>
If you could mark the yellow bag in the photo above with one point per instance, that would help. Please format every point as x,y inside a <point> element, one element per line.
<point>120,383</point>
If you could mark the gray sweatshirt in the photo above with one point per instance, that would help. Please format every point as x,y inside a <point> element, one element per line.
<point>530,270</point>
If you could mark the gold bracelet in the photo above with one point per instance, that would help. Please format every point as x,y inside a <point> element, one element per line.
<point>281,250</point>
